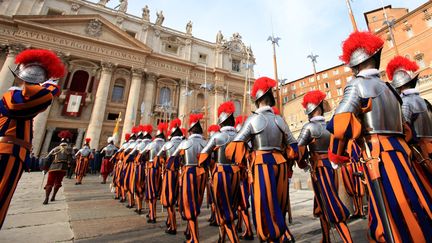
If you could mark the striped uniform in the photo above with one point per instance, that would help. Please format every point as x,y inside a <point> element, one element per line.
<point>407,203</point>
<point>83,157</point>
<point>18,107</point>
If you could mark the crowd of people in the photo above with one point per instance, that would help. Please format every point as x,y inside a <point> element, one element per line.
<point>380,136</point>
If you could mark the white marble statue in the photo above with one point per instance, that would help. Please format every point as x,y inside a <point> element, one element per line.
<point>160,18</point>
<point>123,6</point>
<point>189,28</point>
<point>146,13</point>
<point>103,2</point>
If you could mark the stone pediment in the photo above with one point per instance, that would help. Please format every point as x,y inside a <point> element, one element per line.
<point>93,27</point>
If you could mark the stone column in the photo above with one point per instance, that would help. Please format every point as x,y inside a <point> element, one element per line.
<point>183,100</point>
<point>39,125</point>
<point>79,139</point>
<point>149,96</point>
<point>98,113</point>
<point>6,76</point>
<point>133,99</point>
<point>47,141</point>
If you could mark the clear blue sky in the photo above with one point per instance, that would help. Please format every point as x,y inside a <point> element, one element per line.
<point>303,26</point>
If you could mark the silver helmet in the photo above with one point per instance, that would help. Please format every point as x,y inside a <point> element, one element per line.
<point>30,72</point>
<point>360,55</point>
<point>223,117</point>
<point>402,77</point>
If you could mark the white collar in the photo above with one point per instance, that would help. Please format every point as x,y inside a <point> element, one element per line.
<point>159,139</point>
<point>176,138</point>
<point>409,92</point>
<point>264,108</point>
<point>317,118</point>
<point>369,72</point>
<point>196,136</point>
<point>228,129</point>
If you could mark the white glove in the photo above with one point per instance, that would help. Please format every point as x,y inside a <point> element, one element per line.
<point>335,166</point>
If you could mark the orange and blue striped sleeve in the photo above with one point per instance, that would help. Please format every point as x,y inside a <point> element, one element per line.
<point>28,102</point>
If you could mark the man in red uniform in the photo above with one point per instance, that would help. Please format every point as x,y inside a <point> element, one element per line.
<point>18,107</point>
<point>83,157</point>
<point>59,159</point>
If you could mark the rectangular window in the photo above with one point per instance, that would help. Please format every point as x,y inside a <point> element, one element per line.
<point>170,48</point>
<point>410,33</point>
<point>52,12</point>
<point>328,95</point>
<point>325,75</point>
<point>293,87</point>
<point>202,58</point>
<point>318,77</point>
<point>235,65</point>
<point>302,84</point>
<point>117,93</point>
<point>112,116</point>
<point>327,85</point>
<point>349,78</point>
<point>293,96</point>
<point>347,69</point>
<point>339,91</point>
<point>131,33</point>
<point>336,72</point>
<point>311,80</point>
<point>338,82</point>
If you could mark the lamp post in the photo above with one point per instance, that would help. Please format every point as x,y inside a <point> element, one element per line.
<point>275,41</point>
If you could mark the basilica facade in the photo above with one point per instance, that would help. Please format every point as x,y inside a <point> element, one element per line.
<point>120,66</point>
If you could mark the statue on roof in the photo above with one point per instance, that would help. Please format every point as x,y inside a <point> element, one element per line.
<point>103,2</point>
<point>160,18</point>
<point>146,13</point>
<point>219,37</point>
<point>123,6</point>
<point>189,28</point>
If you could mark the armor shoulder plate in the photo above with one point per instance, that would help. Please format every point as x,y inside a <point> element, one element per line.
<point>369,88</point>
<point>351,98</point>
<point>316,129</point>
<point>221,139</point>
<point>416,103</point>
<point>186,144</point>
<point>280,122</point>
<point>258,123</point>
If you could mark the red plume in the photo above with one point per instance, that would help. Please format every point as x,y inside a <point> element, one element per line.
<point>162,127</point>
<point>48,59</point>
<point>240,120</point>
<point>136,130</point>
<point>213,128</point>
<point>195,117</point>
<point>65,134</point>
<point>400,62</point>
<point>175,123</point>
<point>315,97</point>
<point>127,136</point>
<point>87,140</point>
<point>147,128</point>
<point>263,83</point>
<point>227,107</point>
<point>360,39</point>
<point>276,110</point>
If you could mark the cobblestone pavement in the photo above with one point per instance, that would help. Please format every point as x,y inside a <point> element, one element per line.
<point>88,213</point>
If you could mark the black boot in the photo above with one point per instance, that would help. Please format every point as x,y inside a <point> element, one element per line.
<point>47,194</point>
<point>54,194</point>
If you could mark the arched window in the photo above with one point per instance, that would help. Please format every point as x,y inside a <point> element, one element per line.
<point>79,81</point>
<point>164,96</point>
<point>118,91</point>
<point>238,108</point>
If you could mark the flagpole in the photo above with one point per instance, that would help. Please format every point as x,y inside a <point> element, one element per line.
<point>351,14</point>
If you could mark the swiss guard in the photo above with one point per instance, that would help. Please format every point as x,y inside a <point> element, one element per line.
<point>370,113</point>
<point>417,113</point>
<point>153,172</point>
<point>59,158</point>
<point>83,157</point>
<point>193,178</point>
<point>170,173</point>
<point>118,167</point>
<point>226,177</point>
<point>212,129</point>
<point>129,168</point>
<point>272,146</point>
<point>313,143</point>
<point>19,105</point>
<point>107,152</point>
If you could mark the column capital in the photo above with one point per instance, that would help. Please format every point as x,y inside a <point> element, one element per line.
<point>151,77</point>
<point>64,57</point>
<point>107,66</point>
<point>137,72</point>
<point>14,49</point>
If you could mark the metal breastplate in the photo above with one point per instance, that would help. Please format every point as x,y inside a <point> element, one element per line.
<point>85,152</point>
<point>222,139</point>
<point>109,150</point>
<point>267,134</point>
<point>321,137</point>
<point>421,115</point>
<point>192,147</point>
<point>384,101</point>
<point>154,148</point>
<point>171,146</point>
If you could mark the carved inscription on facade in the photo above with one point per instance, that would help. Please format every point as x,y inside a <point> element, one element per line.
<point>167,66</point>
